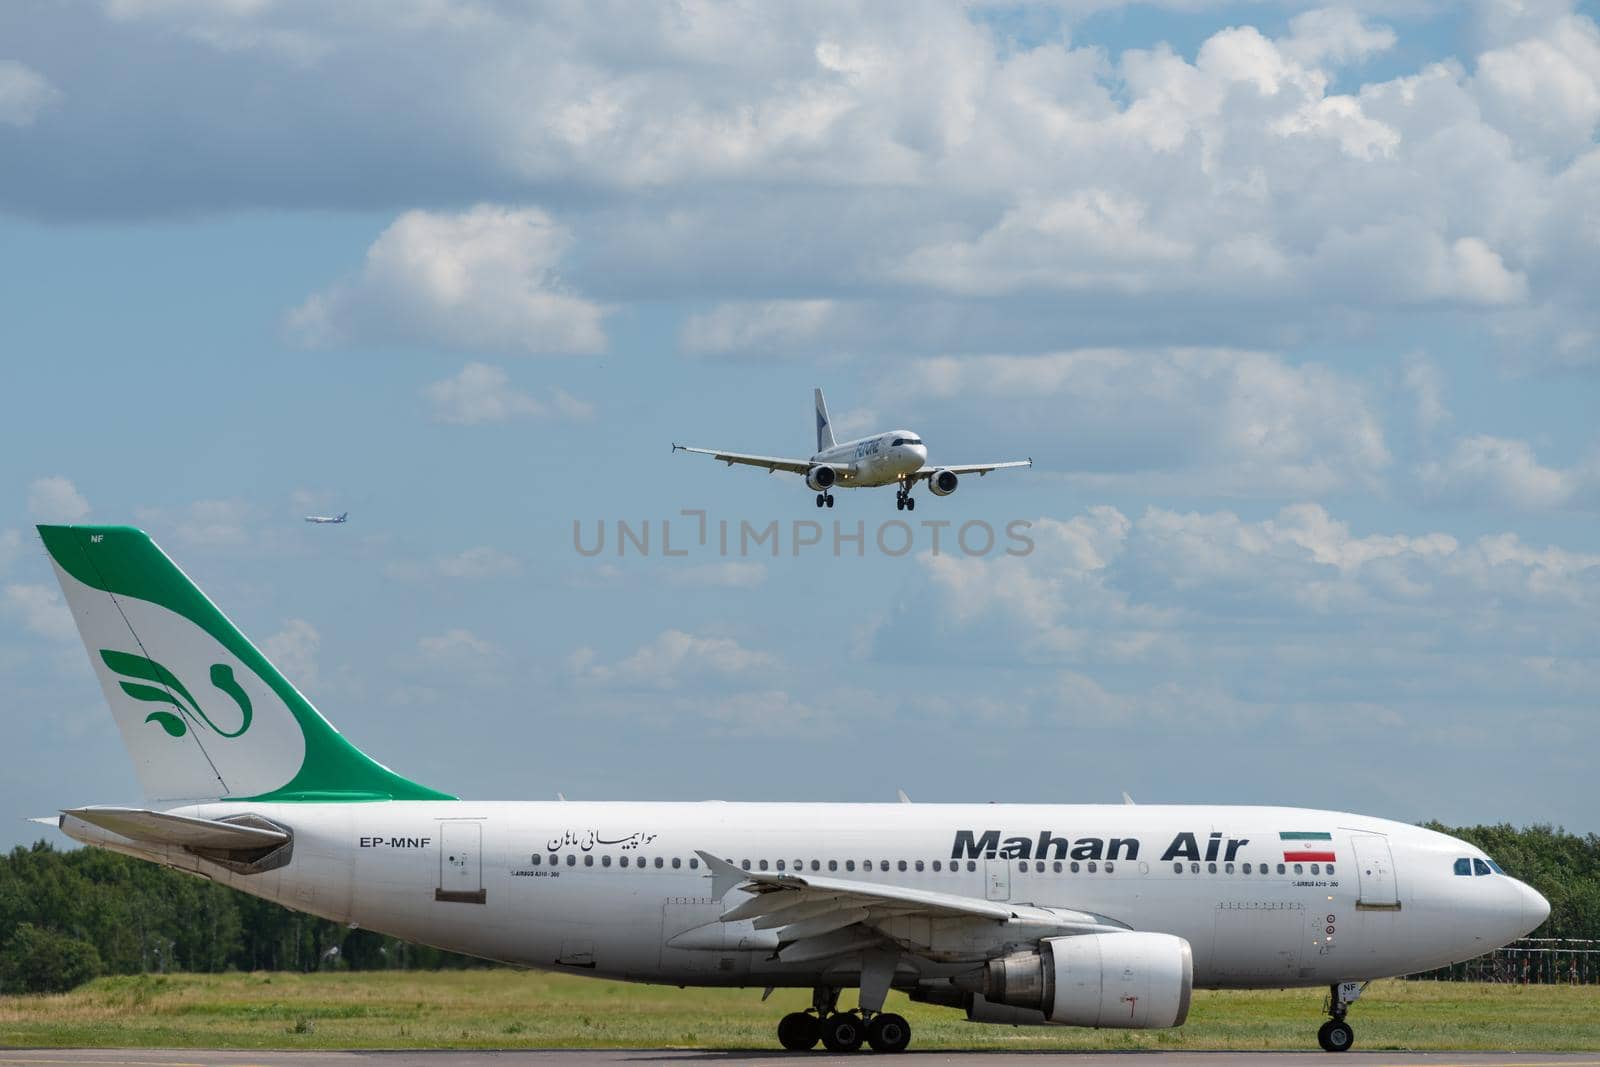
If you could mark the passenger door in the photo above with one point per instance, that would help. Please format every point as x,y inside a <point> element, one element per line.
<point>1375,873</point>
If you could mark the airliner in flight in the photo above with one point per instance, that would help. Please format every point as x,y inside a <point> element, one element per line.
<point>897,458</point>
<point>1063,914</point>
<point>329,519</point>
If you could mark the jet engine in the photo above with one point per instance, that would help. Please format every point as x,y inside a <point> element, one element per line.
<point>821,479</point>
<point>942,482</point>
<point>1130,981</point>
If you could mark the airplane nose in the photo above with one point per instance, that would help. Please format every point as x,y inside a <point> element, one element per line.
<point>1535,908</point>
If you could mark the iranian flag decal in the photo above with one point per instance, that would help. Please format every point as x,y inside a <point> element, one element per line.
<point>1307,846</point>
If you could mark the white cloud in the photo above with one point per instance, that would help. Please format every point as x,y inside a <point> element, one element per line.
<point>480,562</point>
<point>56,499</point>
<point>482,392</point>
<point>1337,34</point>
<point>1194,421</point>
<point>459,650</point>
<point>205,523</point>
<point>1422,378</point>
<point>41,610</point>
<point>293,650</point>
<point>1505,472</point>
<point>730,574</point>
<point>760,328</point>
<point>24,94</point>
<point>672,658</point>
<point>484,280</point>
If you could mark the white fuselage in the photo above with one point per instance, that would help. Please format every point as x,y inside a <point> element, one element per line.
<point>881,459</point>
<point>614,889</point>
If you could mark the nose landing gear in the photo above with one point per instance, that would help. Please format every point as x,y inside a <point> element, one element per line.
<point>1336,1035</point>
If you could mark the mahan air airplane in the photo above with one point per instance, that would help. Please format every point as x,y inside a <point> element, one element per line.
<point>1063,914</point>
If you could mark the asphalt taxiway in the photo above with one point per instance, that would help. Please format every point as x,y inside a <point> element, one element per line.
<point>617,1057</point>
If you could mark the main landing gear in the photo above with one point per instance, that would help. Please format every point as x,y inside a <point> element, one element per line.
<point>842,1031</point>
<point>824,500</point>
<point>1336,1035</point>
<point>902,497</point>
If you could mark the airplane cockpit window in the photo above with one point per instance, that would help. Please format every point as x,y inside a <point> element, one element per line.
<point>1480,867</point>
<point>1495,867</point>
<point>1463,866</point>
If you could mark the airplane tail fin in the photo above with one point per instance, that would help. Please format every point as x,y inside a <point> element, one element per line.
<point>343,515</point>
<point>201,711</point>
<point>824,427</point>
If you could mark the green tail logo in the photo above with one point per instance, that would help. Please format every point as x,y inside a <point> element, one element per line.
<point>168,690</point>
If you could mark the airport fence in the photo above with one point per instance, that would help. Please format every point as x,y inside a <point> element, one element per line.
<point>1530,961</point>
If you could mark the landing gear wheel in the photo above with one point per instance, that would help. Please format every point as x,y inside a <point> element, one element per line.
<point>843,1033</point>
<point>911,504</point>
<point>799,1031</point>
<point>1336,1036</point>
<point>888,1033</point>
<point>830,500</point>
<point>820,498</point>
<point>899,503</point>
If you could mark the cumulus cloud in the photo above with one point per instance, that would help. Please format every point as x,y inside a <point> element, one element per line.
<point>1505,472</point>
<point>215,524</point>
<point>293,650</point>
<point>483,393</point>
<point>459,651</point>
<point>758,328</point>
<point>484,279</point>
<point>670,659</point>
<point>480,562</point>
<point>762,161</point>
<point>1195,421</point>
<point>41,610</point>
<point>24,94</point>
<point>56,499</point>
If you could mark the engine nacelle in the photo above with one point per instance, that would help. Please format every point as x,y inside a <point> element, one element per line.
<point>821,479</point>
<point>1131,981</point>
<point>943,482</point>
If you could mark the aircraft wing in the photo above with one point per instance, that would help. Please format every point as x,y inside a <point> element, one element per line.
<point>771,463</point>
<point>813,917</point>
<point>980,469</point>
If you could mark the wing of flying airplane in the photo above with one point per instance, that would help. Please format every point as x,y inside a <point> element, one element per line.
<point>814,917</point>
<point>980,469</point>
<point>771,463</point>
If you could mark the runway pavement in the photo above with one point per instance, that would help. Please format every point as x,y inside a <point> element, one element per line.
<point>614,1057</point>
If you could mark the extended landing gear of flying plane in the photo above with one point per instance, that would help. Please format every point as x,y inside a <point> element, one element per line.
<point>824,500</point>
<point>902,498</point>
<point>1336,1035</point>
<point>842,1031</point>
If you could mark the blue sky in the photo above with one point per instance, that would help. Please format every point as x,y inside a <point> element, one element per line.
<point>1292,306</point>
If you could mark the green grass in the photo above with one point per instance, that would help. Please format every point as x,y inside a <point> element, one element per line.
<point>519,1009</point>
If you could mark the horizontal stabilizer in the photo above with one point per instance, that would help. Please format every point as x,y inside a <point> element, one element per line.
<point>160,828</point>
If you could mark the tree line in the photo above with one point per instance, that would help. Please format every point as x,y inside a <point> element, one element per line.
<point>67,916</point>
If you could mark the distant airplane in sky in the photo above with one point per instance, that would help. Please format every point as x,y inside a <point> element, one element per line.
<point>897,458</point>
<point>335,519</point>
<point>1098,915</point>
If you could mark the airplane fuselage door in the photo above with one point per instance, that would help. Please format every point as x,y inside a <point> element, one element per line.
<point>1375,873</point>
<point>460,863</point>
<point>997,879</point>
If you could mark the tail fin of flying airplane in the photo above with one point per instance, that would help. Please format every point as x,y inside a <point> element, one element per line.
<point>202,712</point>
<point>824,427</point>
<point>343,515</point>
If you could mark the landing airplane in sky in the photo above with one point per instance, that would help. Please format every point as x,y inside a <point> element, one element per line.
<point>334,519</point>
<point>897,458</point>
<point>1076,915</point>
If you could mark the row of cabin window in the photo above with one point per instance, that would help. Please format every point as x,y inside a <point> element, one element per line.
<point>955,865</point>
<point>1227,868</point>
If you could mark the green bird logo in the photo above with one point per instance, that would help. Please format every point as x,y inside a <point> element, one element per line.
<point>145,679</point>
